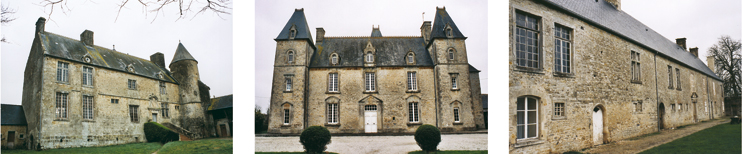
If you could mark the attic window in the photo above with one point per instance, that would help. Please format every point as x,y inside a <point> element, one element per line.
<point>334,59</point>
<point>130,68</point>
<point>160,75</point>
<point>86,59</point>
<point>410,58</point>
<point>449,31</point>
<point>292,32</point>
<point>369,57</point>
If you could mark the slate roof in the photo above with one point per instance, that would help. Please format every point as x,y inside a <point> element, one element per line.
<point>182,54</point>
<point>73,50</point>
<point>376,32</point>
<point>472,69</point>
<point>604,15</point>
<point>484,101</point>
<point>12,115</point>
<point>390,51</point>
<point>222,102</point>
<point>302,28</point>
<point>439,26</point>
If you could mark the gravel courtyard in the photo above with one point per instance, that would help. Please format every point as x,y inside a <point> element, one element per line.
<point>373,144</point>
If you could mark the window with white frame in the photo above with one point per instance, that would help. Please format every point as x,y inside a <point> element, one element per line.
<point>410,58</point>
<point>333,82</point>
<point>558,110</point>
<point>527,117</point>
<point>63,70</point>
<point>289,82</point>
<point>134,113</point>
<point>636,70</point>
<point>370,81</point>
<point>87,107</point>
<point>332,113</point>
<point>61,105</point>
<point>527,44</point>
<point>334,59</point>
<point>454,81</point>
<point>87,76</point>
<point>456,115</point>
<point>369,57</point>
<point>414,115</point>
<point>291,57</point>
<point>451,54</point>
<point>412,81</point>
<point>562,50</point>
<point>132,84</point>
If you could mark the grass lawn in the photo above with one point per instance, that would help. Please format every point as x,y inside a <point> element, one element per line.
<point>289,153</point>
<point>452,152</point>
<point>197,146</point>
<point>124,148</point>
<point>723,138</point>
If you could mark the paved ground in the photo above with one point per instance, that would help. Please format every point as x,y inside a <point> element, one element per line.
<point>374,144</point>
<point>666,136</point>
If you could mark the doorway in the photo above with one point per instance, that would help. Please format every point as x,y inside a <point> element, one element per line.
<point>11,139</point>
<point>154,117</point>
<point>223,129</point>
<point>597,126</point>
<point>370,118</point>
<point>661,116</point>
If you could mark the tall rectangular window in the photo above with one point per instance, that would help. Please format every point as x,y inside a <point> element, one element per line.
<point>163,89</point>
<point>288,84</point>
<point>286,116</point>
<point>370,82</point>
<point>677,74</point>
<point>454,81</point>
<point>412,81</point>
<point>527,33</point>
<point>636,69</point>
<point>638,106</point>
<point>456,115</point>
<point>527,111</point>
<point>562,50</point>
<point>332,113</point>
<point>87,107</point>
<point>165,110</point>
<point>669,77</point>
<point>333,82</point>
<point>134,113</point>
<point>61,105</point>
<point>87,76</point>
<point>558,109</point>
<point>63,71</point>
<point>132,84</point>
<point>414,115</point>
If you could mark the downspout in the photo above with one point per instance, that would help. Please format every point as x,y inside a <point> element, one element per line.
<point>657,93</point>
<point>708,98</point>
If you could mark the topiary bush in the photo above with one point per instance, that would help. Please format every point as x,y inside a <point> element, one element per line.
<point>428,137</point>
<point>315,139</point>
<point>155,132</point>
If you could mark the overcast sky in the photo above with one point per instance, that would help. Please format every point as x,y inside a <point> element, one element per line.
<point>343,18</point>
<point>207,37</point>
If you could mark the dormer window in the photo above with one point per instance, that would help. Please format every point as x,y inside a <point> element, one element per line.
<point>451,54</point>
<point>334,59</point>
<point>369,57</point>
<point>130,68</point>
<point>291,56</point>
<point>449,31</point>
<point>410,57</point>
<point>292,32</point>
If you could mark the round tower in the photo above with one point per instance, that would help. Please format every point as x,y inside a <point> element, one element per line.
<point>184,69</point>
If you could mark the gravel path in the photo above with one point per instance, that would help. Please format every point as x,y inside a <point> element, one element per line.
<point>374,144</point>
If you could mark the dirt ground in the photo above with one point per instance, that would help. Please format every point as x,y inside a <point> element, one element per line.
<point>374,144</point>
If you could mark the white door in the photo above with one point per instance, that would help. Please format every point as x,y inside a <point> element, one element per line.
<point>597,126</point>
<point>370,121</point>
<point>154,117</point>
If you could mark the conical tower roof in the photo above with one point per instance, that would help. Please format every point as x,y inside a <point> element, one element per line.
<point>182,54</point>
<point>442,20</point>
<point>299,22</point>
<point>376,32</point>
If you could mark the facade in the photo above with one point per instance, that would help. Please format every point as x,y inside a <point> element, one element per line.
<point>585,73</point>
<point>220,111</point>
<point>13,127</point>
<point>78,94</point>
<point>376,83</point>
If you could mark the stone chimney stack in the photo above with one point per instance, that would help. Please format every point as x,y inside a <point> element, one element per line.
<point>681,42</point>
<point>425,31</point>
<point>40,24</point>
<point>320,34</point>
<point>159,59</point>
<point>616,3</point>
<point>87,37</point>
<point>711,62</point>
<point>694,51</point>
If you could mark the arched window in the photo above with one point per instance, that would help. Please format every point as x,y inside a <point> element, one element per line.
<point>369,57</point>
<point>334,59</point>
<point>291,57</point>
<point>451,54</point>
<point>410,58</point>
<point>527,115</point>
<point>286,113</point>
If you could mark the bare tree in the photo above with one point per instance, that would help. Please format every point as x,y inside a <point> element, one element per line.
<point>727,59</point>
<point>219,7</point>
<point>6,17</point>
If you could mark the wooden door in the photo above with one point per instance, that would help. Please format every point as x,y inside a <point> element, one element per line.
<point>223,129</point>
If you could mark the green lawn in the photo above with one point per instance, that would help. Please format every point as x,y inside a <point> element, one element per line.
<point>724,138</point>
<point>124,148</point>
<point>288,153</point>
<point>198,146</point>
<point>452,152</point>
<point>176,147</point>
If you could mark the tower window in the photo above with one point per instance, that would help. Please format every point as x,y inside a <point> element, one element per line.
<point>291,57</point>
<point>451,54</point>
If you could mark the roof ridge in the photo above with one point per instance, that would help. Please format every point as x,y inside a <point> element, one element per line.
<point>409,36</point>
<point>114,50</point>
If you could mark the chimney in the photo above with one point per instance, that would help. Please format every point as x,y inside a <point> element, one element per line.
<point>87,37</point>
<point>40,24</point>
<point>320,34</point>
<point>616,3</point>
<point>159,59</point>
<point>694,51</point>
<point>680,42</point>
<point>425,31</point>
<point>710,61</point>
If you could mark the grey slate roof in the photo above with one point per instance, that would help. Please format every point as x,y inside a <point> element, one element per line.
<point>302,28</point>
<point>222,102</point>
<point>73,50</point>
<point>376,32</point>
<point>439,26</point>
<point>484,101</point>
<point>472,69</point>
<point>12,115</point>
<point>390,51</point>
<point>182,54</point>
<point>605,15</point>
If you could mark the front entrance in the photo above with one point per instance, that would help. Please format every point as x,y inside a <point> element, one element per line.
<point>11,139</point>
<point>370,118</point>
<point>154,117</point>
<point>661,116</point>
<point>597,126</point>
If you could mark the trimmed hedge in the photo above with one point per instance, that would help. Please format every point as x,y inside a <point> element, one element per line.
<point>155,132</point>
<point>428,137</point>
<point>315,139</point>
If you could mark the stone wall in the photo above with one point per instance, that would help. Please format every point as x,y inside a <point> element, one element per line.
<point>20,137</point>
<point>293,100</point>
<point>31,100</point>
<point>449,97</point>
<point>476,97</point>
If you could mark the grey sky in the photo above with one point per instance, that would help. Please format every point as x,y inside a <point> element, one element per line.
<point>207,37</point>
<point>346,18</point>
<point>701,22</point>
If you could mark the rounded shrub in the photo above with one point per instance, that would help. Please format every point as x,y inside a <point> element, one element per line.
<point>428,137</point>
<point>315,139</point>
<point>155,132</point>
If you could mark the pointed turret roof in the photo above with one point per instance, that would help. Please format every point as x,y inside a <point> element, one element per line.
<point>299,22</point>
<point>181,54</point>
<point>376,32</point>
<point>442,20</point>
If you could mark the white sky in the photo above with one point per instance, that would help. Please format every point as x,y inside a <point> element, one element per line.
<point>344,18</point>
<point>207,37</point>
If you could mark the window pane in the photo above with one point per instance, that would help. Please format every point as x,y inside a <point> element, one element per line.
<point>521,117</point>
<point>532,117</point>
<point>532,130</point>
<point>531,103</point>
<point>521,132</point>
<point>521,103</point>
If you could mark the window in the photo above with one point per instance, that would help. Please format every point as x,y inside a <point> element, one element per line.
<point>163,89</point>
<point>87,107</point>
<point>134,113</point>
<point>635,67</point>
<point>289,82</point>
<point>638,106</point>
<point>562,51</point>
<point>412,81</point>
<point>410,58</point>
<point>369,57</point>
<point>114,101</point>
<point>286,116</point>
<point>132,84</point>
<point>451,54</point>
<point>677,74</point>
<point>369,108</point>
<point>414,115</point>
<point>456,115</point>
<point>334,59</point>
<point>680,107</point>
<point>527,35</point>
<point>63,71</point>
<point>165,110</point>
<point>673,107</point>
<point>669,77</point>
<point>292,33</point>
<point>177,107</point>
<point>332,113</point>
<point>61,105</point>
<point>87,76</point>
<point>454,82</point>
<point>333,82</point>
<point>558,109</point>
<point>291,57</point>
<point>449,32</point>
<point>370,82</point>
<point>527,113</point>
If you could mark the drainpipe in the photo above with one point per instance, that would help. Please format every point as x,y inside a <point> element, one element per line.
<point>708,97</point>
<point>657,93</point>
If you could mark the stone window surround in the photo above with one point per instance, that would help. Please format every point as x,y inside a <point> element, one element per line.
<point>670,77</point>
<point>416,85</point>
<point>164,106</point>
<point>337,82</point>
<point>525,118</point>
<point>677,74</point>
<point>570,52</point>
<point>63,75</point>
<point>374,87</point>
<point>560,110</point>
<point>132,84</point>
<point>336,101</point>
<point>410,58</point>
<point>163,88</point>
<point>638,106</point>
<point>92,106</point>
<point>86,75</point>
<point>413,107</point>
<point>456,105</point>
<point>334,59</point>
<point>292,32</point>
<point>286,112</point>
<point>290,56</point>
<point>636,61</point>
<point>539,68</point>
<point>62,104</point>
<point>288,83</point>
<point>114,101</point>
<point>451,55</point>
<point>134,113</point>
<point>454,81</point>
<point>449,31</point>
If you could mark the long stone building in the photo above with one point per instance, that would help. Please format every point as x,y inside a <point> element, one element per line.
<point>585,73</point>
<point>76,93</point>
<point>374,84</point>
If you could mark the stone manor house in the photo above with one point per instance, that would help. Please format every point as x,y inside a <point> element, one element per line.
<point>585,73</point>
<point>76,93</point>
<point>374,84</point>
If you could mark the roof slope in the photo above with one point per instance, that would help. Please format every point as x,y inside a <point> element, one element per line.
<point>182,54</point>
<point>484,101</point>
<point>605,15</point>
<point>390,51</point>
<point>222,102</point>
<point>472,69</point>
<point>73,50</point>
<point>12,115</point>
<point>439,26</point>
<point>376,32</point>
<point>302,28</point>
